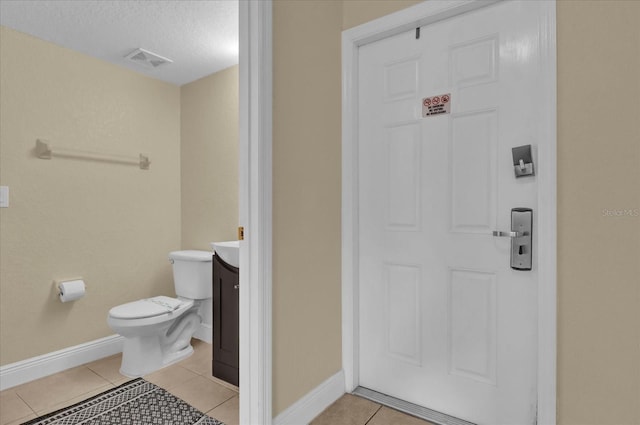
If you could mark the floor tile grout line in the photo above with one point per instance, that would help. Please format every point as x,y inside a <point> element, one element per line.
<point>214,408</point>
<point>175,392</point>
<point>219,404</point>
<point>176,385</point>
<point>106,382</point>
<point>95,373</point>
<point>67,402</point>
<point>100,375</point>
<point>374,414</point>
<point>25,402</point>
<point>215,381</point>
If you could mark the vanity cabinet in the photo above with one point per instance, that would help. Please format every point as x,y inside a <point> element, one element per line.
<point>226,329</point>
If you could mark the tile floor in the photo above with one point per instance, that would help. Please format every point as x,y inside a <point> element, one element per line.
<point>354,410</point>
<point>189,380</point>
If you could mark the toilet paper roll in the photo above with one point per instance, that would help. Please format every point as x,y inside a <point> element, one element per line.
<point>71,290</point>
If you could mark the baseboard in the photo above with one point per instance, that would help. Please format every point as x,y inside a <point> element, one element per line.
<point>204,333</point>
<point>38,367</point>
<point>311,405</point>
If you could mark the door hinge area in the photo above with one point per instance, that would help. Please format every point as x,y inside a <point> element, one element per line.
<point>241,233</point>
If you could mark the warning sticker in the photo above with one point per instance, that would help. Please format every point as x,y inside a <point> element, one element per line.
<point>436,105</point>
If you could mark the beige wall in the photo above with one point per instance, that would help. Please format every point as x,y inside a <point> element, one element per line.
<point>112,224</point>
<point>209,159</point>
<point>598,168</point>
<point>356,12</point>
<point>306,197</point>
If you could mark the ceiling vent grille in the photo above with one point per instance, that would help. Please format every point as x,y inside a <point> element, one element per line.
<point>147,59</point>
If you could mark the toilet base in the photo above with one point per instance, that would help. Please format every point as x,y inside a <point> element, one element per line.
<point>178,356</point>
<point>142,356</point>
<point>151,343</point>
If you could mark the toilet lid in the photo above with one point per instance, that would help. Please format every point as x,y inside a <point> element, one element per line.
<point>145,308</point>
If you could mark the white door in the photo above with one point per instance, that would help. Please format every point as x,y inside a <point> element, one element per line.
<point>444,321</point>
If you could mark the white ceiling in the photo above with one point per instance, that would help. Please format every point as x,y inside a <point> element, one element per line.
<point>200,37</point>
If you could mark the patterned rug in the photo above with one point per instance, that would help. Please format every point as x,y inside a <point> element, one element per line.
<point>137,402</point>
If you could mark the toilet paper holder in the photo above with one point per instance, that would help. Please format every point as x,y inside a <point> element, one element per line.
<point>70,289</point>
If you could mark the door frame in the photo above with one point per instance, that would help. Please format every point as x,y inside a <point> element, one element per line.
<point>419,15</point>
<point>255,210</point>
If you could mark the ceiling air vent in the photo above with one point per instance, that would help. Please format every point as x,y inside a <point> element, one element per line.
<point>147,59</point>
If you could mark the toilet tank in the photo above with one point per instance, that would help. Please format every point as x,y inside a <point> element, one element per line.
<point>192,273</point>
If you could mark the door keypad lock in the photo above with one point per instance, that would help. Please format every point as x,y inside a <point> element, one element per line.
<point>521,238</point>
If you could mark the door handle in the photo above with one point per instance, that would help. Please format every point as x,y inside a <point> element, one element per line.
<point>499,233</point>
<point>520,234</point>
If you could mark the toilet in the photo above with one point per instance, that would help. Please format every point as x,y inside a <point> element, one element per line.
<point>157,331</point>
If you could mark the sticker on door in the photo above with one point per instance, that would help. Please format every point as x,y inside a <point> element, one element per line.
<point>436,105</point>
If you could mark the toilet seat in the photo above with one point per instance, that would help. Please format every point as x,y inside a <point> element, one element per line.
<point>149,307</point>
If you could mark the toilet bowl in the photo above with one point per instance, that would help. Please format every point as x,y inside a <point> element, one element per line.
<point>157,331</point>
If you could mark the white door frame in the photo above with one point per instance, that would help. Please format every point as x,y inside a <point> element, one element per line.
<point>407,19</point>
<point>255,211</point>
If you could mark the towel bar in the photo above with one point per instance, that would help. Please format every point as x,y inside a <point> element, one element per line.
<point>45,151</point>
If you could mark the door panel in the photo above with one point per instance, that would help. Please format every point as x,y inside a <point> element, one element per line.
<point>402,287</point>
<point>403,177</point>
<point>472,325</point>
<point>472,161</point>
<point>444,321</point>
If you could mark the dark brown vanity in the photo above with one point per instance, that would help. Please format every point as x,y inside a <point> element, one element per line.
<point>226,329</point>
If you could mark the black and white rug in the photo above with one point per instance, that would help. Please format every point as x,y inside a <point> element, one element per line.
<point>137,402</point>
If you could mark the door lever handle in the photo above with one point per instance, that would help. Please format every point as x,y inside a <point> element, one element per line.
<point>499,233</point>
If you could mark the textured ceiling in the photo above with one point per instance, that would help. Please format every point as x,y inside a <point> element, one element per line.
<point>200,37</point>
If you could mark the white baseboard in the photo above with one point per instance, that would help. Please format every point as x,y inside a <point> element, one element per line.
<point>204,333</point>
<point>38,367</point>
<point>311,405</point>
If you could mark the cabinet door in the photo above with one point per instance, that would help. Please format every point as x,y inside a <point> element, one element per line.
<point>226,331</point>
